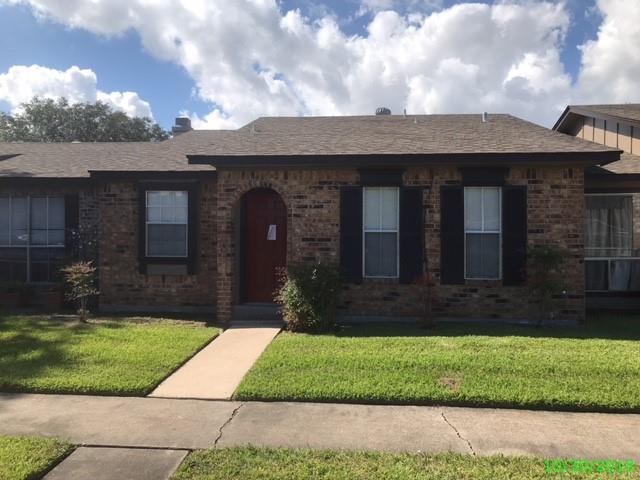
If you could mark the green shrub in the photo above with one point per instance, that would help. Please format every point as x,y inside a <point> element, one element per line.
<point>546,280</point>
<point>309,296</point>
<point>80,278</point>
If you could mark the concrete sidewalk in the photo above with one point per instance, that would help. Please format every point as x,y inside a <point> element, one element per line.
<point>192,424</point>
<point>215,372</point>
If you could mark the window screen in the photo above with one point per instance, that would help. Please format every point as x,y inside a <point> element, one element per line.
<point>380,227</point>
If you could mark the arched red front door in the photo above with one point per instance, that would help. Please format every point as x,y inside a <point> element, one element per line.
<point>265,243</point>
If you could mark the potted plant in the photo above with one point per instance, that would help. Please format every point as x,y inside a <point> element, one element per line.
<point>11,295</point>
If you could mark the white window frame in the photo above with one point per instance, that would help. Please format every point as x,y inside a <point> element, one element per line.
<point>610,259</point>
<point>381,230</point>
<point>483,231</point>
<point>147,223</point>
<point>28,246</point>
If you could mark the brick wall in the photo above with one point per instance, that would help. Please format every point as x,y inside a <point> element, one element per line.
<point>555,209</point>
<point>122,287</point>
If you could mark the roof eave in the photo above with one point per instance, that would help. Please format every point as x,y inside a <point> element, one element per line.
<point>406,160</point>
<point>562,118</point>
<point>585,112</point>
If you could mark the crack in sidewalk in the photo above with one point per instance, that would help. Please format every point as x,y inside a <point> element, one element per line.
<point>446,420</point>
<point>227,422</point>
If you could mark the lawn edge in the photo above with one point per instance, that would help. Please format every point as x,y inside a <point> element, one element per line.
<point>443,404</point>
<point>43,473</point>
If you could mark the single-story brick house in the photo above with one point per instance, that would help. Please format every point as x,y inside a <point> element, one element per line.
<point>612,203</point>
<point>202,221</point>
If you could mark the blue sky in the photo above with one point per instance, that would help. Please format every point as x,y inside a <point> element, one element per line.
<point>121,62</point>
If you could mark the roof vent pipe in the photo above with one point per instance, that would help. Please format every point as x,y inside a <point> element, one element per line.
<point>383,111</point>
<point>485,117</point>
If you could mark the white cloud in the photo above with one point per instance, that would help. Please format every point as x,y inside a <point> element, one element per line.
<point>21,83</point>
<point>127,102</point>
<point>611,63</point>
<point>249,58</point>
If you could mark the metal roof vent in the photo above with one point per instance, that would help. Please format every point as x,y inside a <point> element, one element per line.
<point>383,111</point>
<point>485,117</point>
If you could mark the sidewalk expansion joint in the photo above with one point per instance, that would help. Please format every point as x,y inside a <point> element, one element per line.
<point>133,447</point>
<point>458,433</point>
<point>227,422</point>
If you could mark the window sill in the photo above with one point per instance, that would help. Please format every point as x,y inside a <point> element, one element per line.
<point>473,282</point>
<point>381,280</point>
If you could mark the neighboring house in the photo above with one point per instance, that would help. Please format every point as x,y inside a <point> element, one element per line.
<point>612,214</point>
<point>203,221</point>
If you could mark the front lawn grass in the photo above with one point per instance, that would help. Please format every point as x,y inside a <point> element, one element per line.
<point>118,357</point>
<point>249,463</point>
<point>593,367</point>
<point>26,458</point>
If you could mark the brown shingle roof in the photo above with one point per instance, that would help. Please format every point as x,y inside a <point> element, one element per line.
<point>623,111</point>
<point>390,135</point>
<point>291,136</point>
<point>76,160</point>
<point>627,164</point>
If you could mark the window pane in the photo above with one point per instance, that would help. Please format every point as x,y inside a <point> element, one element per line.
<point>154,214</point>
<point>167,199</point>
<point>167,215</point>
<point>181,199</point>
<point>56,213</point>
<point>154,199</point>
<point>19,221</point>
<point>381,254</point>
<point>181,215</point>
<point>483,255</point>
<point>473,208</point>
<point>56,237</point>
<point>38,237</point>
<point>596,275</point>
<point>167,240</point>
<point>389,204</point>
<point>13,264</point>
<point>491,203</point>
<point>371,208</point>
<point>609,226</point>
<point>46,264</point>
<point>4,221</point>
<point>38,213</point>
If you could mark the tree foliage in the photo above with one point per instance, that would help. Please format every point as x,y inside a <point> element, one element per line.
<point>80,278</point>
<point>47,120</point>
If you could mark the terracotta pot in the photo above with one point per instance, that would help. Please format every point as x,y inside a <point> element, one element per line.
<point>11,300</point>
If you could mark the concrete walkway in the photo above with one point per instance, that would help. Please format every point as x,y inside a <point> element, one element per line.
<point>215,372</point>
<point>118,463</point>
<point>191,424</point>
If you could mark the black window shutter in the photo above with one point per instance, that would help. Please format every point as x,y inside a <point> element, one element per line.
<point>71,224</point>
<point>193,230</point>
<point>452,235</point>
<point>351,233</point>
<point>142,229</point>
<point>514,234</point>
<point>411,235</point>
